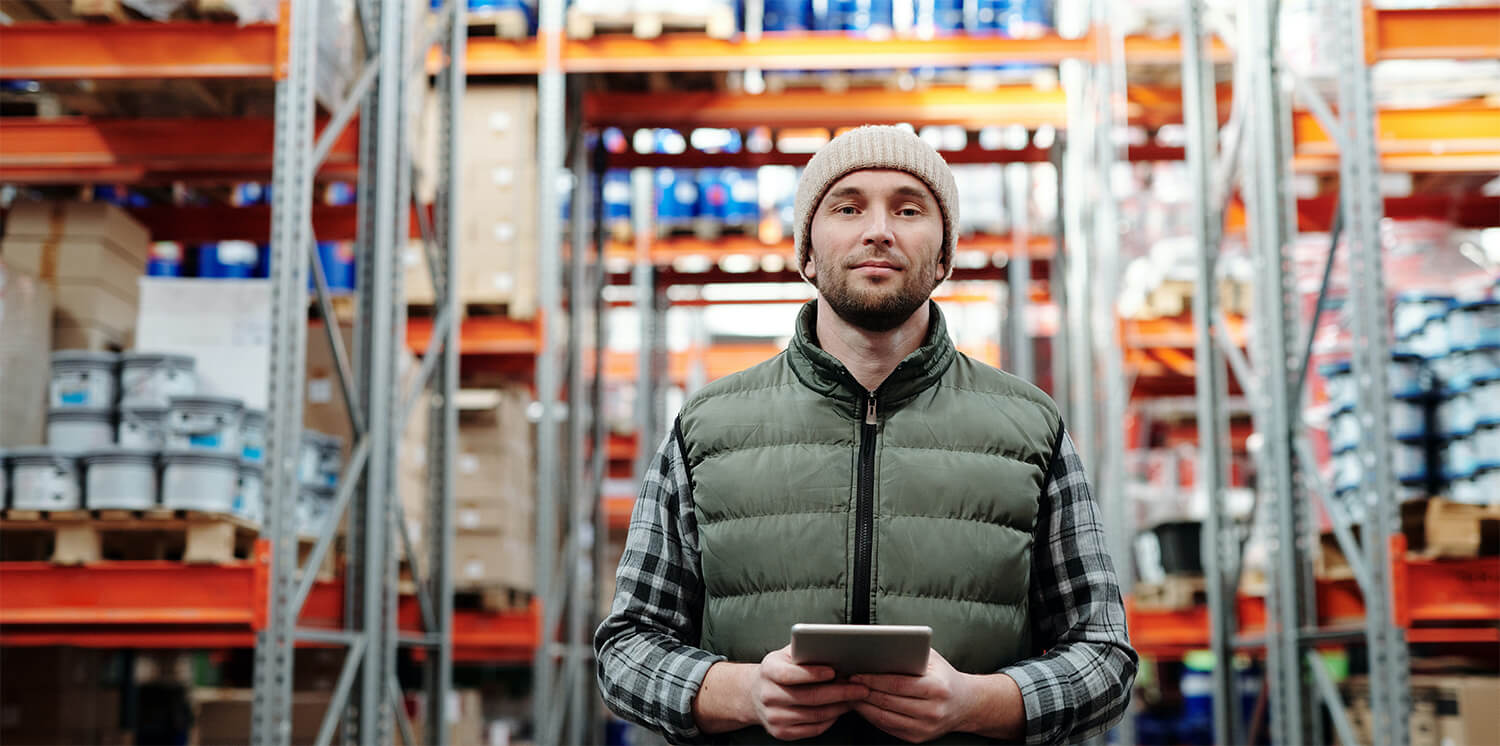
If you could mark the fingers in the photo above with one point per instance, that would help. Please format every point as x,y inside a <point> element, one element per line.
<point>795,723</point>
<point>897,684</point>
<point>896,724</point>
<point>814,695</point>
<point>777,666</point>
<point>908,706</point>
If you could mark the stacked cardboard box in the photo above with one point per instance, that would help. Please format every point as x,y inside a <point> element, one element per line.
<point>493,486</point>
<point>91,254</point>
<point>25,330</point>
<point>1446,710</point>
<point>224,324</point>
<point>497,242</point>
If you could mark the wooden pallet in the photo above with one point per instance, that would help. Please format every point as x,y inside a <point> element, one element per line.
<point>1436,527</point>
<point>1173,593</point>
<point>78,537</point>
<point>716,21</point>
<point>504,24</point>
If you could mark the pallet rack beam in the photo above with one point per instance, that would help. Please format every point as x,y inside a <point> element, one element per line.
<point>65,51</point>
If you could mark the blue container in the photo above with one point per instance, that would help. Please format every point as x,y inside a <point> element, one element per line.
<point>788,15</point>
<point>249,193</point>
<point>119,196</point>
<point>676,197</point>
<point>338,266</point>
<point>713,195</point>
<point>743,208</point>
<point>340,193</point>
<point>939,17</point>
<point>165,260</point>
<point>858,17</point>
<point>263,261</point>
<point>227,260</point>
<point>617,195</point>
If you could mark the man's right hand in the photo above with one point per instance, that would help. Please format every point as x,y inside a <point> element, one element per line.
<point>793,701</point>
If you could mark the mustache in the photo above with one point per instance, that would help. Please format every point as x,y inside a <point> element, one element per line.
<point>887,258</point>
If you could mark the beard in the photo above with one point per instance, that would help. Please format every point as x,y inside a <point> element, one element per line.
<point>882,307</point>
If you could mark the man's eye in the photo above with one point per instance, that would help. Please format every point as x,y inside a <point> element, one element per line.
<point>909,212</point>
<point>846,210</point>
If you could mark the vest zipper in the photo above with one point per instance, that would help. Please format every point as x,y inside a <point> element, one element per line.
<point>864,515</point>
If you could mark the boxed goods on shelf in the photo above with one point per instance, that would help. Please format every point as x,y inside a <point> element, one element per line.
<point>498,181</point>
<point>224,324</point>
<point>1445,709</point>
<point>89,253</point>
<point>25,330</point>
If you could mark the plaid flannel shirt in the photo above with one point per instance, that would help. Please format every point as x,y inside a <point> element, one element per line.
<point>1077,685</point>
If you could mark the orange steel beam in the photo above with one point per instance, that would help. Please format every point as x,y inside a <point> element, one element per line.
<point>1456,138</point>
<point>73,149</point>
<point>59,51</point>
<point>1434,33</point>
<point>947,105</point>
<point>482,335</point>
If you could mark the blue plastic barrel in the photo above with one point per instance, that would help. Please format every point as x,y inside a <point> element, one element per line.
<point>617,195</point>
<point>713,195</point>
<point>165,259</point>
<point>743,208</point>
<point>227,260</point>
<point>939,17</point>
<point>860,17</point>
<point>788,15</point>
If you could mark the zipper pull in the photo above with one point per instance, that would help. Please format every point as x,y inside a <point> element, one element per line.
<point>870,411</point>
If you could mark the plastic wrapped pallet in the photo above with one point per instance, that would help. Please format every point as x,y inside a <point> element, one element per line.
<point>25,335</point>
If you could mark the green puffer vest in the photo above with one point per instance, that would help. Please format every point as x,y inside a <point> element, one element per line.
<point>807,512</point>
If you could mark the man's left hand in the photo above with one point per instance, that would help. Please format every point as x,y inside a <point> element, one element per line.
<point>917,709</point>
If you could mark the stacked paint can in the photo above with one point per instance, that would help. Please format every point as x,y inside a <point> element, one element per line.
<point>320,459</point>
<point>1413,442</point>
<point>129,432</point>
<point>1460,341</point>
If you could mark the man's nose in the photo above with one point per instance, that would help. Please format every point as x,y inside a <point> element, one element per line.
<point>877,229</point>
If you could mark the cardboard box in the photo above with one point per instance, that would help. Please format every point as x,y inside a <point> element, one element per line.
<point>96,222</point>
<point>25,336</point>
<point>93,306</point>
<point>323,406</point>
<point>498,237</point>
<point>76,261</point>
<point>418,282</point>
<point>222,716</point>
<point>67,336</point>
<point>224,324</point>
<point>483,560</point>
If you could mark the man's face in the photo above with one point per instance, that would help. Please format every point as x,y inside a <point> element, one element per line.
<point>877,240</point>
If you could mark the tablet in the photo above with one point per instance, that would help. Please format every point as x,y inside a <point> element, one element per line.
<point>863,648</point>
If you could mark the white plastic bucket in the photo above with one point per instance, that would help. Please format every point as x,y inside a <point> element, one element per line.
<point>320,459</point>
<point>1475,324</point>
<point>1487,447</point>
<point>314,504</point>
<point>1405,375</point>
<point>200,480</point>
<point>1338,382</point>
<point>1346,471</point>
<point>1470,489</point>
<point>1411,490</point>
<point>142,428</point>
<point>78,430</point>
<point>149,379</point>
<point>1414,309</point>
<point>1408,417</point>
<point>1459,458</point>
<point>1343,430</point>
<point>1455,413</point>
<point>44,479</point>
<point>249,498</point>
<point>84,379</point>
<point>1409,460</point>
<point>1485,397</point>
<point>119,479</point>
<point>1468,366</point>
<point>1487,482</point>
<point>253,436</point>
<point>205,423</point>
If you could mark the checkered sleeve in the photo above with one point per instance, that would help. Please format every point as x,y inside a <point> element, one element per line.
<point>1079,684</point>
<point>649,667</point>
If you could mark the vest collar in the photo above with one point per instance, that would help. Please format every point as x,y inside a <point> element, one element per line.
<point>823,373</point>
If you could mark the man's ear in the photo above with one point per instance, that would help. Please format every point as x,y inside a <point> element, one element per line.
<point>810,270</point>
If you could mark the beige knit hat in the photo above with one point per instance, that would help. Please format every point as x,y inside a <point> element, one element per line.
<point>874,146</point>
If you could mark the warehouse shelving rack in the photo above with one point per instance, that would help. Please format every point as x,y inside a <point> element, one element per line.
<point>1298,613</point>
<point>72,150</point>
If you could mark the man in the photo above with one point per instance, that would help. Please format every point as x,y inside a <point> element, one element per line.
<point>869,474</point>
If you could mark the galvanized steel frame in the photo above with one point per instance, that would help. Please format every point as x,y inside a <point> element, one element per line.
<point>376,411</point>
<point>1220,545</point>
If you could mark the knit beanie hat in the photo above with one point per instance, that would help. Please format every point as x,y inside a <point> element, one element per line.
<point>874,147</point>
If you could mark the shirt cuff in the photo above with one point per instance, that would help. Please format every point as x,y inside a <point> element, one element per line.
<point>687,670</point>
<point>1046,694</point>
